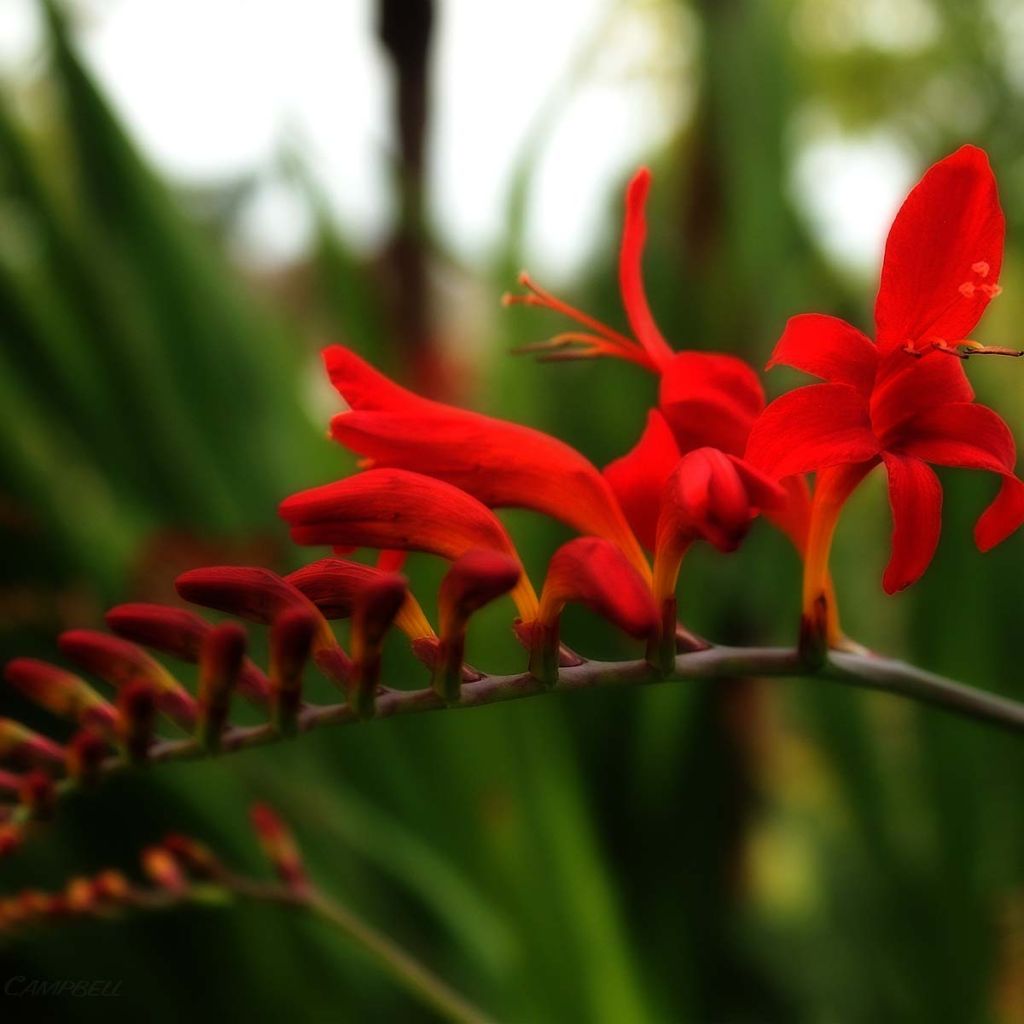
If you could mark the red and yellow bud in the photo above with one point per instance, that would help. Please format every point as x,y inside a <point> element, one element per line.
<point>592,572</point>
<point>373,615</point>
<point>292,636</point>
<point>163,870</point>
<point>279,846</point>
<point>474,580</point>
<point>195,857</point>
<point>121,662</point>
<point>259,595</point>
<point>395,508</point>
<point>137,707</point>
<point>61,692</point>
<point>220,664</point>
<point>86,751</point>
<point>180,633</point>
<point>22,746</point>
<point>335,586</point>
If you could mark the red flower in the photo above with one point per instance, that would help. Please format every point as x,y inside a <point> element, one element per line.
<point>502,464</point>
<point>396,509</point>
<point>902,401</point>
<point>705,399</point>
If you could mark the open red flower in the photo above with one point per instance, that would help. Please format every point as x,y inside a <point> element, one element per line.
<point>705,399</point>
<point>901,401</point>
<point>502,464</point>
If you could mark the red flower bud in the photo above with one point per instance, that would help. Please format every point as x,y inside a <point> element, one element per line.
<point>22,746</point>
<point>85,753</point>
<point>335,585</point>
<point>475,579</point>
<point>395,508</point>
<point>180,633</point>
<point>593,572</point>
<point>121,662</point>
<point>257,594</point>
<point>163,870</point>
<point>378,605</point>
<point>136,705</point>
<point>197,858</point>
<point>60,692</point>
<point>291,643</point>
<point>279,846</point>
<point>220,662</point>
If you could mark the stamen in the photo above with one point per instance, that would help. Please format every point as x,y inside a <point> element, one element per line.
<point>600,339</point>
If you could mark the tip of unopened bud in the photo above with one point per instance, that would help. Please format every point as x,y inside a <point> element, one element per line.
<point>197,858</point>
<point>85,753</point>
<point>136,705</point>
<point>161,867</point>
<point>278,845</point>
<point>291,639</point>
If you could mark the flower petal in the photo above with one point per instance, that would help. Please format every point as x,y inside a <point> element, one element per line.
<point>915,496</point>
<point>1002,517</point>
<point>638,477</point>
<point>631,280</point>
<point>943,254</point>
<point>811,428</point>
<point>710,400</point>
<point>394,508</point>
<point>962,434</point>
<point>907,385</point>
<point>593,572</point>
<point>829,348</point>
<point>502,464</point>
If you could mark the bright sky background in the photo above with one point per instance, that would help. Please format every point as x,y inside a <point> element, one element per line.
<point>214,89</point>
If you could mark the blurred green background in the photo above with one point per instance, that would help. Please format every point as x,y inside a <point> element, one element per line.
<point>750,851</point>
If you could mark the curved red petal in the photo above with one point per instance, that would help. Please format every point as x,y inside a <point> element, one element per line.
<point>943,254</point>
<point>631,280</point>
<point>812,428</point>
<point>915,496</point>
<point>362,386</point>
<point>594,572</point>
<point>710,400</point>
<point>395,508</point>
<point>638,477</point>
<point>502,464</point>
<point>962,434</point>
<point>1002,517</point>
<point>829,348</point>
<point>906,386</point>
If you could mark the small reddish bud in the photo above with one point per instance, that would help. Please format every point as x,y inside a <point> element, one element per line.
<point>379,603</point>
<point>259,595</point>
<point>23,746</point>
<point>85,753</point>
<point>111,887</point>
<point>220,661</point>
<point>180,633</point>
<point>278,846</point>
<point>136,705</point>
<point>60,692</point>
<point>336,585</point>
<point>80,895</point>
<point>121,662</point>
<point>195,857</point>
<point>163,870</point>
<point>38,794</point>
<point>291,641</point>
<point>475,579</point>
<point>593,572</point>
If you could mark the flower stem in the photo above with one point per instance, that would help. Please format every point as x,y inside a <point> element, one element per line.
<point>418,980</point>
